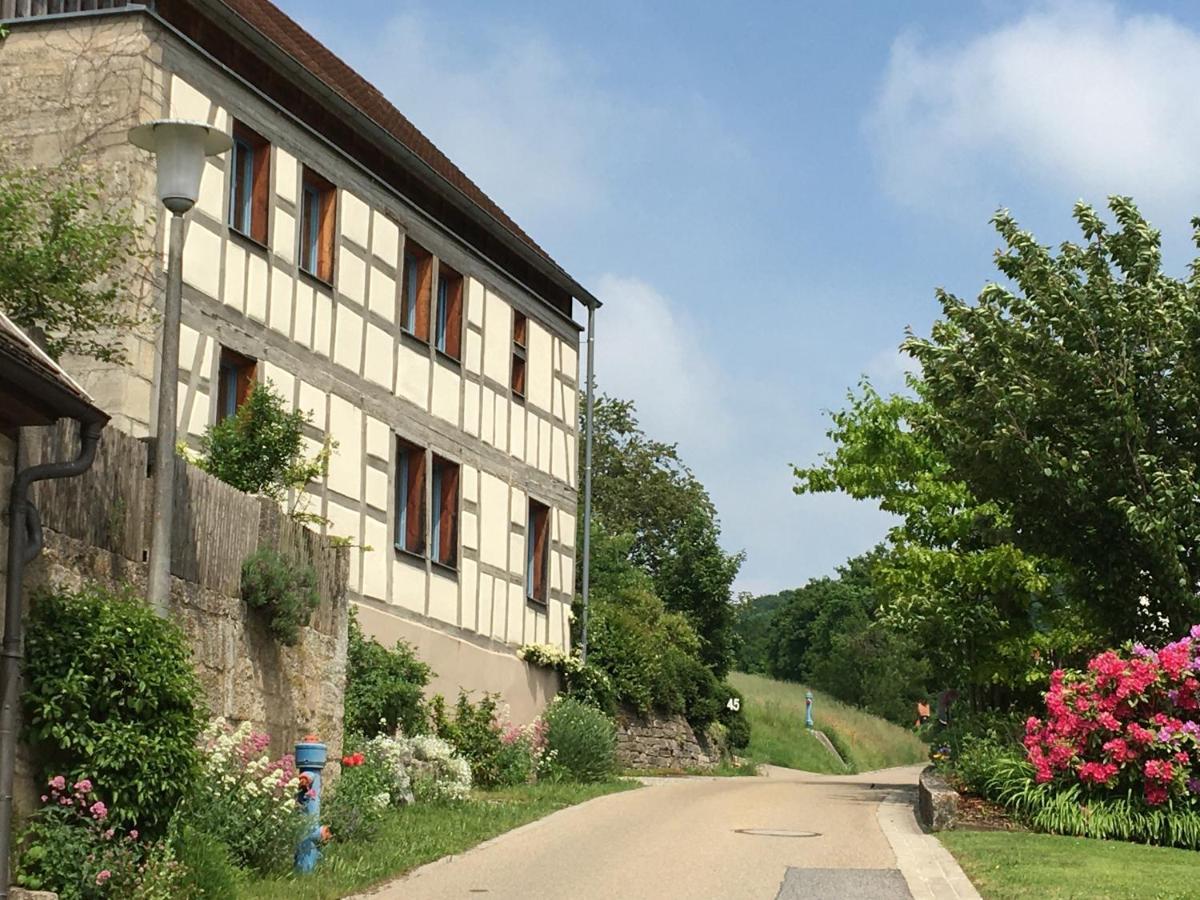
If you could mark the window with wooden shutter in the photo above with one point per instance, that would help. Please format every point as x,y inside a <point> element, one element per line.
<point>318,214</point>
<point>249,183</point>
<point>444,542</point>
<point>235,381</point>
<point>519,350</point>
<point>410,497</point>
<point>537,553</point>
<point>417,280</point>
<point>448,330</point>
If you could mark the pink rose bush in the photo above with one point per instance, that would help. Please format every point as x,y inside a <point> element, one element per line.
<point>1130,720</point>
<point>69,846</point>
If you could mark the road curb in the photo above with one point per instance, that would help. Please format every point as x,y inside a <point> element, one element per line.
<point>928,868</point>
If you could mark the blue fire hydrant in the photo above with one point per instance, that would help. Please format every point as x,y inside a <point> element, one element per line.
<point>310,760</point>
<point>808,722</point>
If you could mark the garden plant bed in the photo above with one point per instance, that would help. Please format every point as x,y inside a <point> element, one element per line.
<point>978,814</point>
<point>419,834</point>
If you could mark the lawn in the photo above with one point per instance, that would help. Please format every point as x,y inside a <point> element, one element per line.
<point>778,735</point>
<point>422,833</point>
<point>1006,865</point>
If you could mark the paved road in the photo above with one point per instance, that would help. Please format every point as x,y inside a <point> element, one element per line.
<point>696,838</point>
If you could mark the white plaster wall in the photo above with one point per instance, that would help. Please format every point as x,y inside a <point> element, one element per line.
<point>497,338</point>
<point>537,367</point>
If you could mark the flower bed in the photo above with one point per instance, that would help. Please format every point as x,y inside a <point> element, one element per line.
<point>1128,722</point>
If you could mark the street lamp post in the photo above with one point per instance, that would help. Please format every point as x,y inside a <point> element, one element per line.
<point>179,148</point>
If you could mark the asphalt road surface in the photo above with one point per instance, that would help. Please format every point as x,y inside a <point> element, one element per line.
<point>788,835</point>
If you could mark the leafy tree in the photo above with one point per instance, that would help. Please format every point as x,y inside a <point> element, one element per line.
<point>753,621</point>
<point>67,262</point>
<point>647,498</point>
<point>829,634</point>
<point>1071,401</point>
<point>259,450</point>
<point>983,611</point>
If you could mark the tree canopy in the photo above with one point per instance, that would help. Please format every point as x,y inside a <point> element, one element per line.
<point>1070,399</point>
<point>645,496</point>
<point>67,262</point>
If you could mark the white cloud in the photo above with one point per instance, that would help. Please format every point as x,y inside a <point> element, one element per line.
<point>1077,96</point>
<point>650,351</point>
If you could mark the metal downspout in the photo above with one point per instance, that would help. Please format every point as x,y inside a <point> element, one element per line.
<point>24,543</point>
<point>587,477</point>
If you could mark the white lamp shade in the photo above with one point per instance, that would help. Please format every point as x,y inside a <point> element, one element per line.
<point>180,147</point>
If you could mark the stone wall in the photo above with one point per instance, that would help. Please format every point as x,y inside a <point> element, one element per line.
<point>657,742</point>
<point>95,529</point>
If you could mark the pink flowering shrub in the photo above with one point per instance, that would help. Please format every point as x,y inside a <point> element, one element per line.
<point>1130,721</point>
<point>244,798</point>
<point>71,846</point>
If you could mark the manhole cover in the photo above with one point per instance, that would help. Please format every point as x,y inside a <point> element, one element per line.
<point>777,832</point>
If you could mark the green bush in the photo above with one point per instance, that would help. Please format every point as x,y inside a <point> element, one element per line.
<point>737,725</point>
<point>284,591</point>
<point>591,685</point>
<point>1069,810</point>
<point>355,805</point>
<point>651,656</point>
<point>111,696</point>
<point>209,871</point>
<point>259,449</point>
<point>581,742</point>
<point>383,687</point>
<point>478,736</point>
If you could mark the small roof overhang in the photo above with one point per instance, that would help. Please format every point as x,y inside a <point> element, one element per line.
<point>34,389</point>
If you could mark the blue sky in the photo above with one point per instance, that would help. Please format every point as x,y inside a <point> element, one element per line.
<point>765,195</point>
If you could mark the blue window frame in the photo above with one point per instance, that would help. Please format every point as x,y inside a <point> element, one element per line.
<point>448,322</point>
<point>310,236</point>
<point>235,381</point>
<point>443,311</point>
<point>241,185</point>
<point>411,276</point>
<point>227,391</point>
<point>444,525</point>
<point>414,308</point>
<point>436,540</point>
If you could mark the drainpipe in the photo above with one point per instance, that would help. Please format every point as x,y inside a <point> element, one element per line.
<point>587,476</point>
<point>24,543</point>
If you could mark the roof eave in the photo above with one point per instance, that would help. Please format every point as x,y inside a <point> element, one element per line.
<point>228,17</point>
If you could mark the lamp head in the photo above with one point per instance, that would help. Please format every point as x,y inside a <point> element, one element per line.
<point>180,148</point>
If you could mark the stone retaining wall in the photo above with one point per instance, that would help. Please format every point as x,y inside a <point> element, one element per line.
<point>654,742</point>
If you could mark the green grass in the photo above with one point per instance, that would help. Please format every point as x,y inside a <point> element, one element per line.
<point>1006,865</point>
<point>422,833</point>
<point>778,735</point>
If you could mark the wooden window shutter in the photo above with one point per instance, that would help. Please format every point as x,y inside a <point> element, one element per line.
<point>325,240</point>
<point>260,197</point>
<point>414,540</point>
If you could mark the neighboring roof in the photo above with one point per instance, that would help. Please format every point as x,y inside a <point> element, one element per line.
<point>34,389</point>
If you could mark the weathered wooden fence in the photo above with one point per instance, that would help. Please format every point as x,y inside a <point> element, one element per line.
<point>215,528</point>
<point>27,9</point>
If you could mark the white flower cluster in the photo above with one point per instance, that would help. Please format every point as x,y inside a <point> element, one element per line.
<point>437,773</point>
<point>395,756</point>
<point>550,657</point>
<point>237,765</point>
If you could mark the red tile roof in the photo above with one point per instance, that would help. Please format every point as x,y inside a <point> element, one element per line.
<point>270,21</point>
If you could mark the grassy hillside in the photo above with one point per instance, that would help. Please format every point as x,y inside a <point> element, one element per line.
<point>778,735</point>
